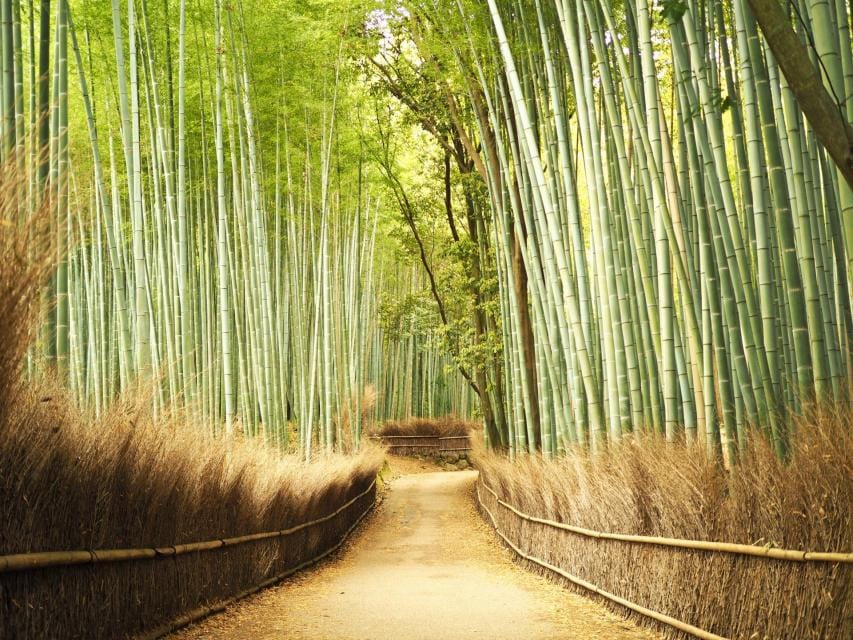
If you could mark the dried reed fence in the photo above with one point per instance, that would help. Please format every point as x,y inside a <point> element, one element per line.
<point>46,559</point>
<point>143,489</point>
<point>425,445</point>
<point>426,436</point>
<point>143,520</point>
<point>784,570</point>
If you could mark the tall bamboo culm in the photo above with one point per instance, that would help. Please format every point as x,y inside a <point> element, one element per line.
<point>225,272</point>
<point>681,227</point>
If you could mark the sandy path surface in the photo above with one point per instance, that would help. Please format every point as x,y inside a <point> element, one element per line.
<point>424,566</point>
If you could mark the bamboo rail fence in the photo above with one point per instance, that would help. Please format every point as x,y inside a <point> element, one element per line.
<point>455,443</point>
<point>660,617</point>
<point>46,559</point>
<point>403,445</point>
<point>699,545</point>
<point>204,612</point>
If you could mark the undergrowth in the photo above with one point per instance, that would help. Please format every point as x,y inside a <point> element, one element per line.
<point>655,488</point>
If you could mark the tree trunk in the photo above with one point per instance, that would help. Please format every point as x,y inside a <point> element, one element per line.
<point>824,115</point>
<point>527,339</point>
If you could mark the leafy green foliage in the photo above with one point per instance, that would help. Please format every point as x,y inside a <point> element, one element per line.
<point>673,10</point>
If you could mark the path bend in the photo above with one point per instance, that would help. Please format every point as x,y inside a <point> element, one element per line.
<point>424,567</point>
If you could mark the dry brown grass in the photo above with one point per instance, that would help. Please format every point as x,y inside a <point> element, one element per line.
<point>444,427</point>
<point>433,435</point>
<point>677,491</point>
<point>26,258</point>
<point>125,482</point>
<point>69,481</point>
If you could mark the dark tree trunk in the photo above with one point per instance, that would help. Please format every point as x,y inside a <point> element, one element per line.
<point>823,114</point>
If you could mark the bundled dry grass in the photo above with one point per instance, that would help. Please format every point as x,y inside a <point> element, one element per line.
<point>427,436</point>
<point>676,491</point>
<point>122,483</point>
<point>364,403</point>
<point>445,427</point>
<point>72,482</point>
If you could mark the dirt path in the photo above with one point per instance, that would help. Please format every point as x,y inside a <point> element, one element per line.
<point>425,566</point>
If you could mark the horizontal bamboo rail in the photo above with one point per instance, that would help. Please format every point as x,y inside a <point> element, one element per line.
<point>411,446</point>
<point>435,444</point>
<point>698,545</point>
<point>45,559</point>
<point>422,437</point>
<point>649,613</point>
<point>203,612</point>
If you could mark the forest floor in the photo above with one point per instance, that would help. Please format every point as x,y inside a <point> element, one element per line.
<point>423,566</point>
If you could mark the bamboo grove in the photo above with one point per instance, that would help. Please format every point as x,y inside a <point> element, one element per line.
<point>671,243</point>
<point>685,239</point>
<point>227,274</point>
